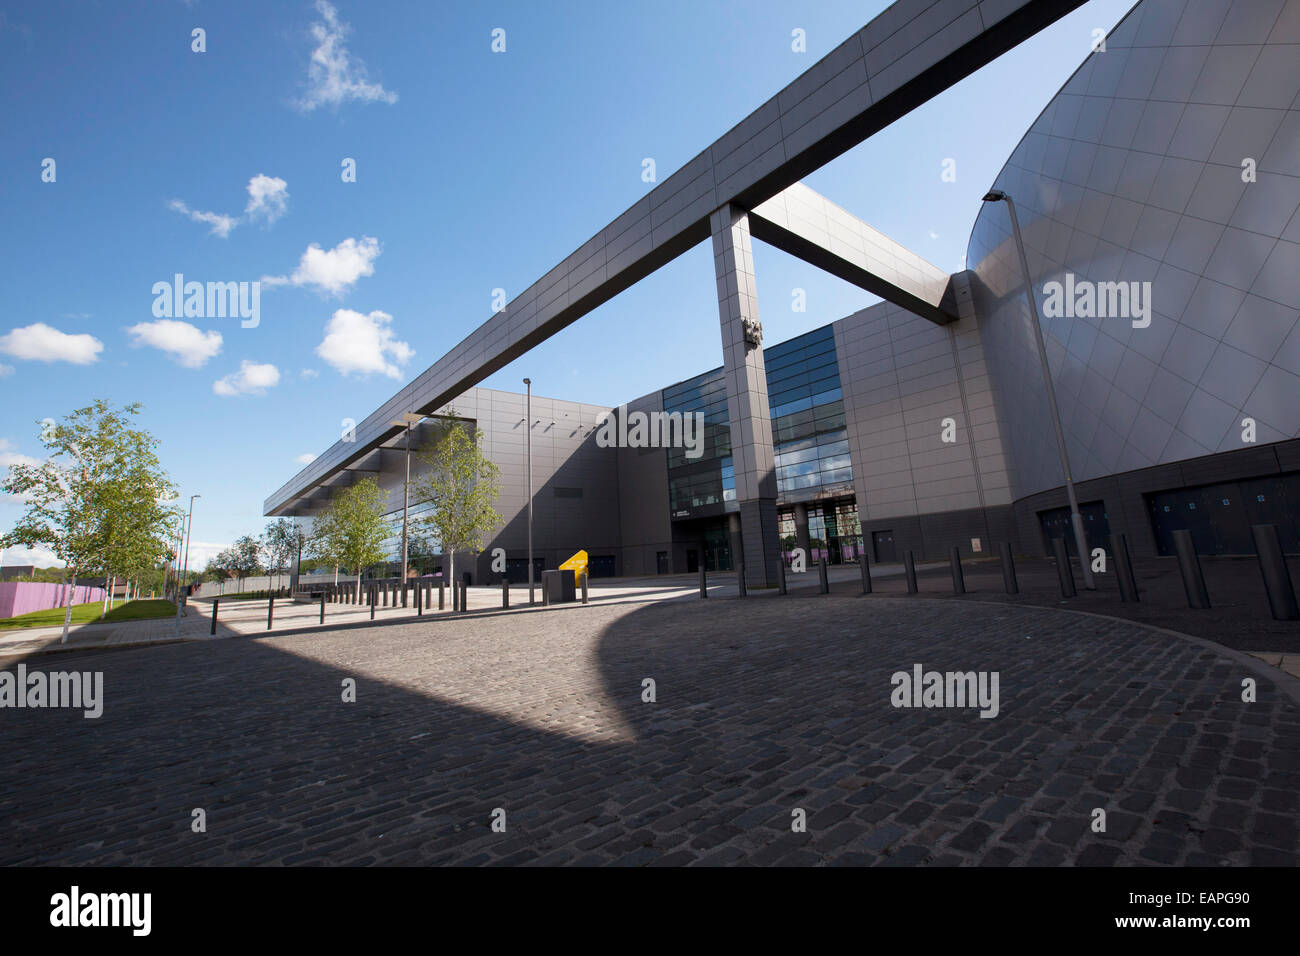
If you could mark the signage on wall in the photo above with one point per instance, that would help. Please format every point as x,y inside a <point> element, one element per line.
<point>976,545</point>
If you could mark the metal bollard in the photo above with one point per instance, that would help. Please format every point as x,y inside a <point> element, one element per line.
<point>704,587</point>
<point>1063,572</point>
<point>780,580</point>
<point>740,581</point>
<point>1189,566</point>
<point>584,587</point>
<point>442,595</point>
<point>270,610</point>
<point>1277,579</point>
<point>1008,568</point>
<point>505,592</point>
<point>1128,589</point>
<point>419,600</point>
<point>464,596</point>
<point>823,576</point>
<point>322,607</point>
<point>374,600</point>
<point>958,579</point>
<point>909,569</point>
<point>866,573</point>
<point>213,628</point>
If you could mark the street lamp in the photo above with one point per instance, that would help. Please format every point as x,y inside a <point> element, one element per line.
<point>189,524</point>
<point>528,425</point>
<point>407,421</point>
<point>1076,519</point>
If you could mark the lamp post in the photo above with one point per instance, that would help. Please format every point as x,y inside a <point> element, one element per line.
<point>189,525</point>
<point>1076,519</point>
<point>407,421</point>
<point>528,430</point>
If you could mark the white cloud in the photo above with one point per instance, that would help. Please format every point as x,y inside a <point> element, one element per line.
<point>202,551</point>
<point>42,343</point>
<point>934,235</point>
<point>221,224</point>
<point>268,198</point>
<point>5,370</point>
<point>332,270</point>
<point>308,373</point>
<point>305,459</point>
<point>363,343</point>
<point>9,456</point>
<point>333,75</point>
<point>251,379</point>
<point>41,557</point>
<point>185,343</point>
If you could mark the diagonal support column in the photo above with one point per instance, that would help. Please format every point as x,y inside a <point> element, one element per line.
<point>747,405</point>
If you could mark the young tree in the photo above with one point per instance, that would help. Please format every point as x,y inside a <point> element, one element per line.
<point>279,544</point>
<point>245,558</point>
<point>80,500</point>
<point>140,521</point>
<point>221,567</point>
<point>351,531</point>
<point>462,485</point>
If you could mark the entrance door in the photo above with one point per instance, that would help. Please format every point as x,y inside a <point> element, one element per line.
<point>661,562</point>
<point>882,543</point>
<point>692,561</point>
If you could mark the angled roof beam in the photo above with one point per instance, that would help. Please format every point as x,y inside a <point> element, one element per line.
<point>809,226</point>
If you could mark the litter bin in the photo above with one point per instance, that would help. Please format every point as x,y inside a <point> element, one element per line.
<point>558,586</point>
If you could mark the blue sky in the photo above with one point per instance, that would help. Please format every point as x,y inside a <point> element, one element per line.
<point>475,170</point>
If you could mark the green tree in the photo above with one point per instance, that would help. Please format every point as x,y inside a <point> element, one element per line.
<point>280,543</point>
<point>85,502</point>
<point>139,521</point>
<point>352,529</point>
<point>462,485</point>
<point>245,558</point>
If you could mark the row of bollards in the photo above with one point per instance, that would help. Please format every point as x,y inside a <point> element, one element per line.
<point>1272,565</point>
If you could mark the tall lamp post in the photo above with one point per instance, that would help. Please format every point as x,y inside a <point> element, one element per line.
<point>189,525</point>
<point>408,421</point>
<point>528,430</point>
<point>1076,519</point>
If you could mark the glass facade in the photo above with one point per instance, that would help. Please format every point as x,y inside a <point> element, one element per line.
<point>810,443</point>
<point>810,446</point>
<point>707,484</point>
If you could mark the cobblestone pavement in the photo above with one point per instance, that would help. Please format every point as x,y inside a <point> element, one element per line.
<point>762,708</point>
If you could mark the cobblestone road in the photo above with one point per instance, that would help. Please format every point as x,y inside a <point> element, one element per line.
<point>763,707</point>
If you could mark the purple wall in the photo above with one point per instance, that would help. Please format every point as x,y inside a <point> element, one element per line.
<point>21,597</point>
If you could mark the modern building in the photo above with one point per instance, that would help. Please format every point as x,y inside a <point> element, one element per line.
<point>1158,195</point>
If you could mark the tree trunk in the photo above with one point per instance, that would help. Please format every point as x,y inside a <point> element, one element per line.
<point>451,564</point>
<point>108,596</point>
<point>358,584</point>
<point>67,615</point>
